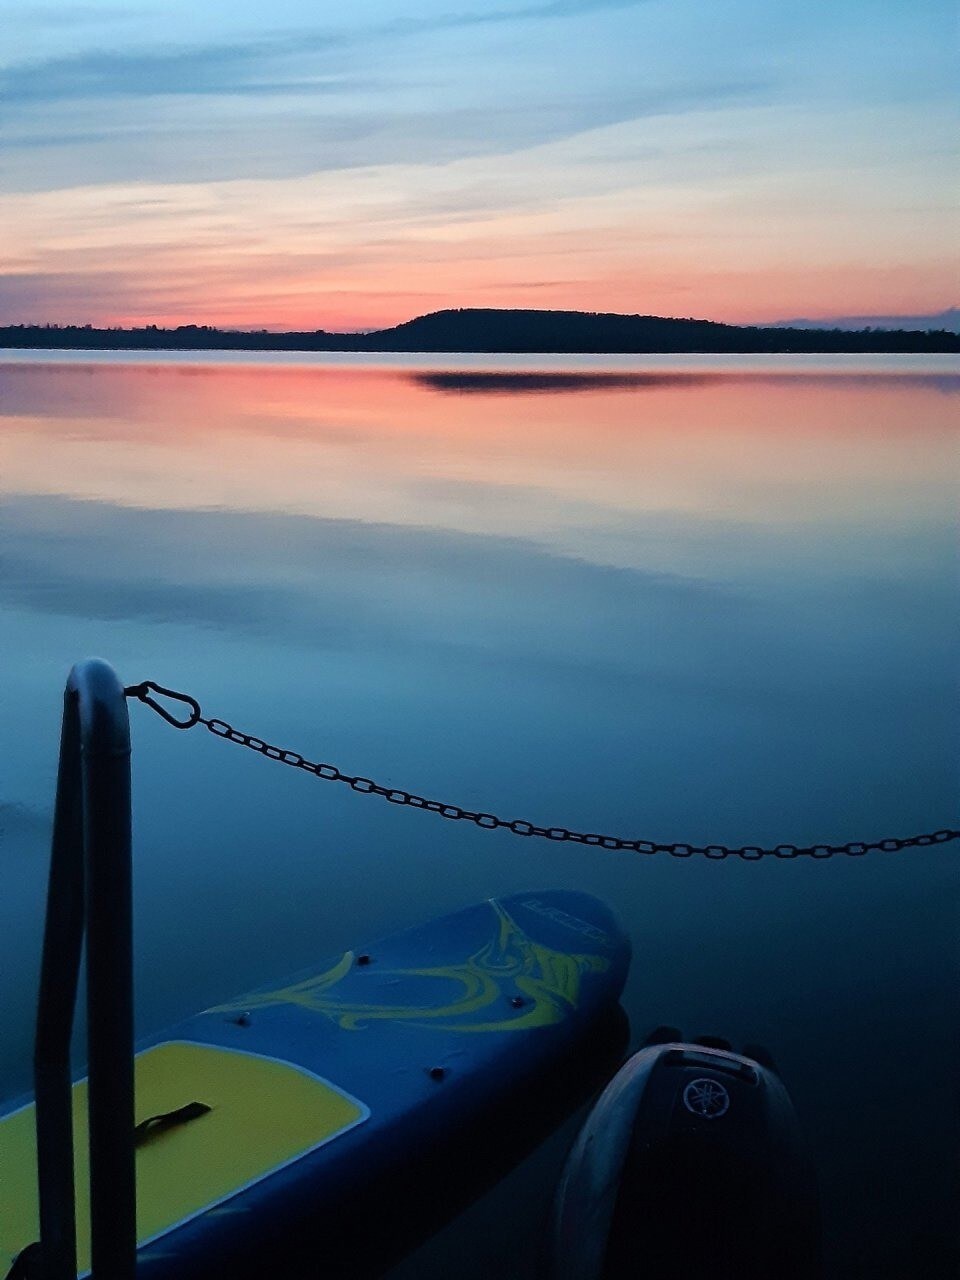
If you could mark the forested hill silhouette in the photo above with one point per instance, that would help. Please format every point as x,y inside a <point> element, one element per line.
<point>494,331</point>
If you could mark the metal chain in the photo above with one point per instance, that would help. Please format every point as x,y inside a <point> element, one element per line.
<point>518,826</point>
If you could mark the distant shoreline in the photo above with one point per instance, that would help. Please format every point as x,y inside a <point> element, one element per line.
<point>499,332</point>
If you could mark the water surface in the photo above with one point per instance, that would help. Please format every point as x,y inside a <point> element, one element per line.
<point>705,600</point>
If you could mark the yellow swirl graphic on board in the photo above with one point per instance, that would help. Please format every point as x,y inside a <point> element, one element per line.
<point>549,982</point>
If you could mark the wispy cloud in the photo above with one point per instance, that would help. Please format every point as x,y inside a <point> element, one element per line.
<point>242,66</point>
<point>281,105</point>
<point>339,124</point>
<point>35,296</point>
<point>227,69</point>
<point>79,15</point>
<point>489,17</point>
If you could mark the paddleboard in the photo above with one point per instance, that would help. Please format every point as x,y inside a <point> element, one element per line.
<point>329,1122</point>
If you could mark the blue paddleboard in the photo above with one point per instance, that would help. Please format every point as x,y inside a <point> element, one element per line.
<point>330,1122</point>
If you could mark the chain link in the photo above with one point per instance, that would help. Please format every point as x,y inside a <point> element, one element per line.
<point>517,826</point>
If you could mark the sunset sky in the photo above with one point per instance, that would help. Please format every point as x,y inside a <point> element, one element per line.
<point>310,165</point>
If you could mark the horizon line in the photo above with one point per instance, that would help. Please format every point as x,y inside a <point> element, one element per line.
<point>845,322</point>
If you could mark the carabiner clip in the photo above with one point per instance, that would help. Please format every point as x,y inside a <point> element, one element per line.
<point>141,691</point>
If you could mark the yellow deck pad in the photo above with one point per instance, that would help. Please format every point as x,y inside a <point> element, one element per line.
<point>264,1114</point>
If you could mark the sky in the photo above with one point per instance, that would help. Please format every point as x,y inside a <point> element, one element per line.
<point>308,165</point>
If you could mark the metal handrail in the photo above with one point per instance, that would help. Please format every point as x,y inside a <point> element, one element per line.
<point>89,895</point>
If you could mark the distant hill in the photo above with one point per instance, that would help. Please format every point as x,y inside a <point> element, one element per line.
<point>949,320</point>
<point>497,331</point>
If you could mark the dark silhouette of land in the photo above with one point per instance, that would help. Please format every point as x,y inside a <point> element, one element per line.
<point>948,319</point>
<point>497,331</point>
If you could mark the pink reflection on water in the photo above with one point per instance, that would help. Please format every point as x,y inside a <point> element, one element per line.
<point>440,447</point>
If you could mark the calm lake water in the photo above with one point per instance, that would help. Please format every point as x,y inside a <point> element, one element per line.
<point>706,600</point>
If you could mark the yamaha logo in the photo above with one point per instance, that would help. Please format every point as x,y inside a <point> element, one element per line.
<point>706,1098</point>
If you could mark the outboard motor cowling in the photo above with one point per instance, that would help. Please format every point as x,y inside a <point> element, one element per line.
<point>690,1166</point>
